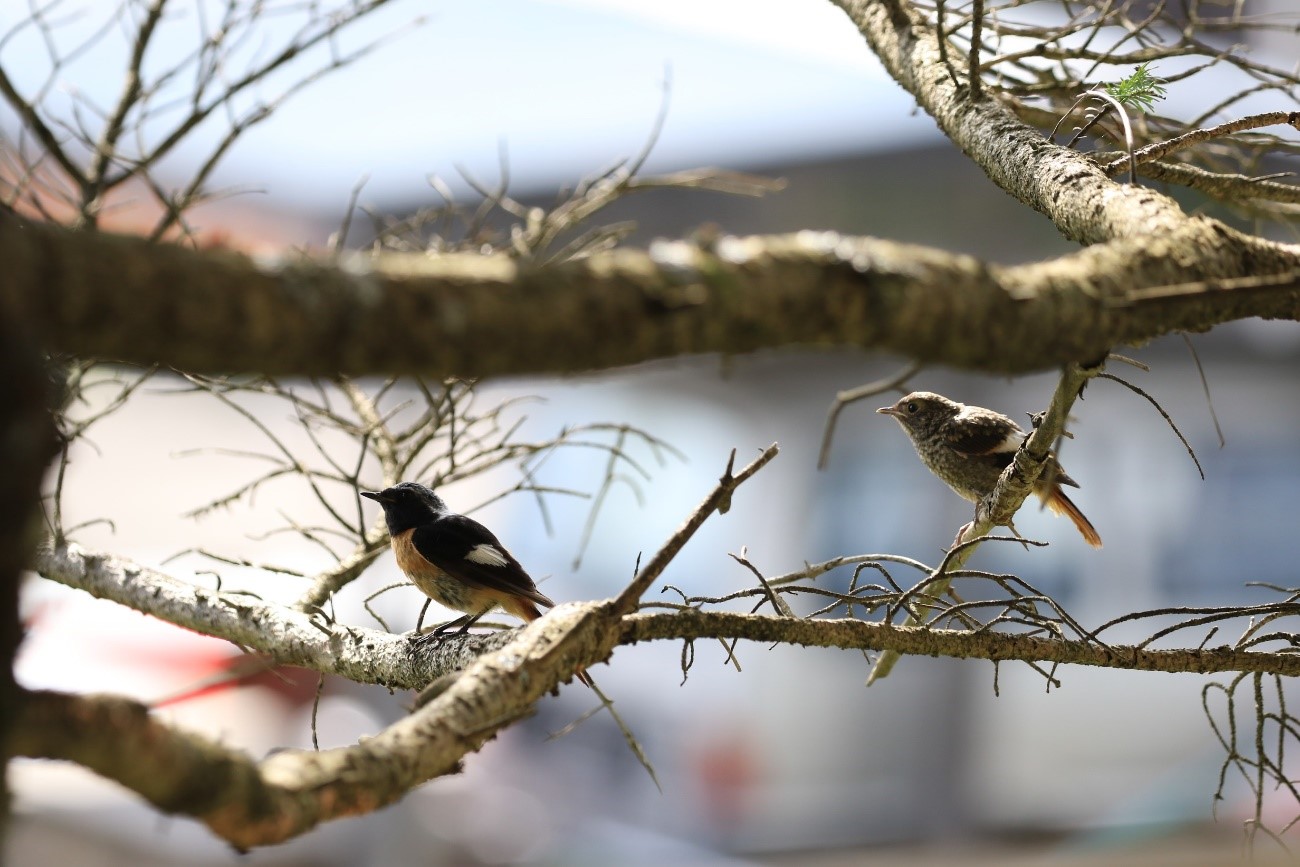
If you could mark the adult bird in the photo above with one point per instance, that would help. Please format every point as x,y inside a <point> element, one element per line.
<point>454,560</point>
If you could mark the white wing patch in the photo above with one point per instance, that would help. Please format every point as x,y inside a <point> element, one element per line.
<point>978,417</point>
<point>1010,444</point>
<point>486,555</point>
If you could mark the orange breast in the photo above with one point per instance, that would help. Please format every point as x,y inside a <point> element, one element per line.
<point>451,591</point>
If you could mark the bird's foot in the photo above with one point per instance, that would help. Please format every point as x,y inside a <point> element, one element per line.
<point>433,636</point>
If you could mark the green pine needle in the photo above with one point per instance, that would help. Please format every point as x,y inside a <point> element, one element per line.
<point>1141,90</point>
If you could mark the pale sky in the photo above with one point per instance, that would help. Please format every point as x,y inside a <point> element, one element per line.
<point>568,87</point>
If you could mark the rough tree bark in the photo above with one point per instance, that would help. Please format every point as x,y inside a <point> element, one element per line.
<point>98,295</point>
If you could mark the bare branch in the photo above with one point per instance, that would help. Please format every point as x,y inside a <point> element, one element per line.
<point>719,500</point>
<point>862,392</point>
<point>691,623</point>
<point>1160,409</point>
<point>1155,151</point>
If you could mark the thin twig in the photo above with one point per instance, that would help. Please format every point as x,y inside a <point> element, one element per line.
<point>844,398</point>
<point>1160,409</point>
<point>1205,387</point>
<point>720,496</point>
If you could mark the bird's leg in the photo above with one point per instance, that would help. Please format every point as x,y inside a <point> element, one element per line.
<point>463,622</point>
<point>464,627</point>
<point>441,632</point>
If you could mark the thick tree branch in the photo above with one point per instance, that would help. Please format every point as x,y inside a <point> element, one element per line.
<point>99,295</point>
<point>95,295</point>
<point>1068,187</point>
<point>289,636</point>
<point>252,803</point>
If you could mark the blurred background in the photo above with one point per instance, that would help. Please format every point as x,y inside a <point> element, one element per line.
<point>792,760</point>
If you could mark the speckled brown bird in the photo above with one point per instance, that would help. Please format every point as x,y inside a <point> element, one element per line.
<point>968,447</point>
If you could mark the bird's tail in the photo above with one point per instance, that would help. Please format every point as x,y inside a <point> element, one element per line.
<point>527,611</point>
<point>1059,503</point>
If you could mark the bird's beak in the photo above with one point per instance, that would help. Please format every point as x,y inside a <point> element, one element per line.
<point>889,410</point>
<point>373,495</point>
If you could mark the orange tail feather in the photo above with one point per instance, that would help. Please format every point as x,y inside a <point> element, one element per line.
<point>1059,503</point>
<point>527,611</point>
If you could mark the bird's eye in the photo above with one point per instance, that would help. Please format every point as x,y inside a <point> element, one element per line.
<point>911,407</point>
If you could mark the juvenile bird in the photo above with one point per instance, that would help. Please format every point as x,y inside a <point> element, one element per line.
<point>454,560</point>
<point>968,447</point>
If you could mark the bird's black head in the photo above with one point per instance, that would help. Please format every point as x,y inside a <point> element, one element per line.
<point>407,505</point>
<point>922,411</point>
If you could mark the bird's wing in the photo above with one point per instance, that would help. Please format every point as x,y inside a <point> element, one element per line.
<point>465,549</point>
<point>976,431</point>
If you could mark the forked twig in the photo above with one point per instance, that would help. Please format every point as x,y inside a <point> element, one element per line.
<point>862,392</point>
<point>720,496</point>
